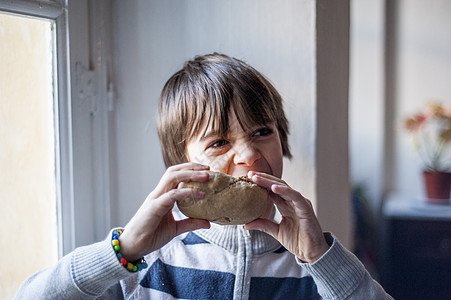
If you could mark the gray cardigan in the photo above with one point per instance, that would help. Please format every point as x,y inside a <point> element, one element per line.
<point>222,262</point>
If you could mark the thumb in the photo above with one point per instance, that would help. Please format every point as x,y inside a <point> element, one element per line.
<point>264,225</point>
<point>191,224</point>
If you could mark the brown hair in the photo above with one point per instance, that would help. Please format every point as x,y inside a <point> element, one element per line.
<point>204,91</point>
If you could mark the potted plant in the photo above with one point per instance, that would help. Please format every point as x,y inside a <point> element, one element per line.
<point>430,132</point>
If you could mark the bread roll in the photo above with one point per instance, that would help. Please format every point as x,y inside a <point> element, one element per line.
<point>228,200</point>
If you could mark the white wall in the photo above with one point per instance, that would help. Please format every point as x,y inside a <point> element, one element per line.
<point>366,96</point>
<point>423,73</point>
<point>154,38</point>
<point>391,77</point>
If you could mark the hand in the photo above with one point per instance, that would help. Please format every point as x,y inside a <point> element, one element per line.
<point>153,225</point>
<point>299,231</point>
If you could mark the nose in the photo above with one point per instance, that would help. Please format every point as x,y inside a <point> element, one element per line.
<point>246,154</point>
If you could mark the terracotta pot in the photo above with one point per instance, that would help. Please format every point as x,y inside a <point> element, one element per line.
<point>437,186</point>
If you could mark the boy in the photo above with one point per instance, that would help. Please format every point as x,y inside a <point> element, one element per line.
<point>219,114</point>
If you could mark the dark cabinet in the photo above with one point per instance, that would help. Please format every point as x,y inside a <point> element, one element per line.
<point>418,255</point>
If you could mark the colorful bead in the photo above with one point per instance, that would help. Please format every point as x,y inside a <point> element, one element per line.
<point>123,261</point>
<point>129,266</point>
<point>132,267</point>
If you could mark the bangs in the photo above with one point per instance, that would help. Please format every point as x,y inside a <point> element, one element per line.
<point>207,110</point>
<point>254,106</point>
<point>210,109</point>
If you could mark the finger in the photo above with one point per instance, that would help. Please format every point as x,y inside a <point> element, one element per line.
<point>165,203</point>
<point>265,180</point>
<point>188,166</point>
<point>264,225</point>
<point>191,224</point>
<point>171,179</point>
<point>173,176</point>
<point>286,192</point>
<point>265,175</point>
<point>285,207</point>
<point>293,196</point>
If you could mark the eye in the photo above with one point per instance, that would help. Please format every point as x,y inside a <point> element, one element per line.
<point>262,131</point>
<point>218,143</point>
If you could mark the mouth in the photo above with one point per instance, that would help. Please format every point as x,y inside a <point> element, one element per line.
<point>239,171</point>
<point>245,173</point>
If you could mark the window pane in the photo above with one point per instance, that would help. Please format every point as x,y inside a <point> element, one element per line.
<point>28,213</point>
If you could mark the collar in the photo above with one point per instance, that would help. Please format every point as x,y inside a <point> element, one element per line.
<point>230,237</point>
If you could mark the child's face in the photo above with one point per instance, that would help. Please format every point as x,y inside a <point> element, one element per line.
<point>257,148</point>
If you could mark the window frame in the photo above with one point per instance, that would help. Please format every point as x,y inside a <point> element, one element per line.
<point>57,12</point>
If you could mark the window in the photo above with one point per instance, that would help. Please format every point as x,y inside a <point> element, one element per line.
<point>27,149</point>
<point>35,138</point>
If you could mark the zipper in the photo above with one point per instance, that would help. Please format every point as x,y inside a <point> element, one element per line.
<point>245,237</point>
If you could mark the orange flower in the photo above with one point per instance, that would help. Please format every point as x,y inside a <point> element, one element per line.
<point>414,123</point>
<point>447,113</point>
<point>445,135</point>
<point>435,109</point>
<point>430,131</point>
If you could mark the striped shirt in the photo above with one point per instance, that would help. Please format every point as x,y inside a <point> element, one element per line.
<point>223,262</point>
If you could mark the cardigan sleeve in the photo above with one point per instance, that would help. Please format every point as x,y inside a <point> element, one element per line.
<point>339,274</point>
<point>86,273</point>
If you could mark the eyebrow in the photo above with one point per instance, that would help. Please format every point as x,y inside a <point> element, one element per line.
<point>216,132</point>
<point>209,135</point>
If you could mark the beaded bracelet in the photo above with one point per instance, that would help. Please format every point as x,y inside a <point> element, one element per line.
<point>137,265</point>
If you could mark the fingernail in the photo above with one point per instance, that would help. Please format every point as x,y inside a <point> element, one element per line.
<point>205,174</point>
<point>275,186</point>
<point>200,194</point>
